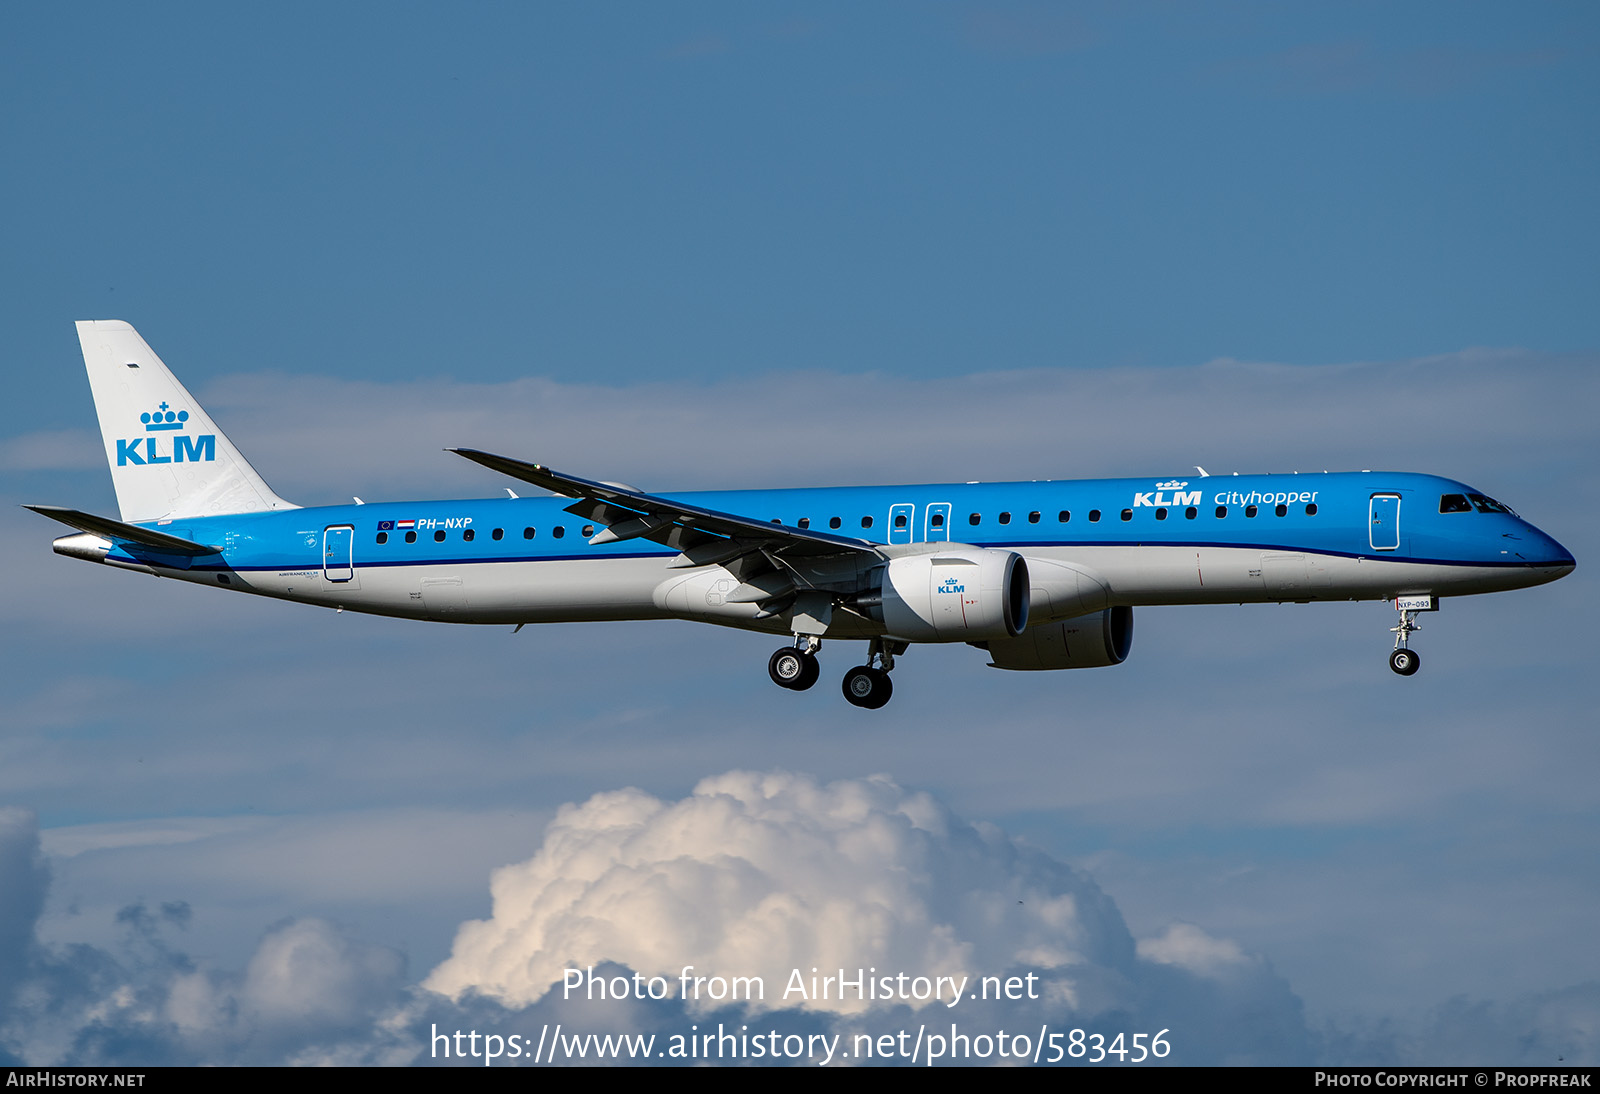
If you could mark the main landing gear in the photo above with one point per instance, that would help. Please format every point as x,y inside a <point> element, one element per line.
<point>867,685</point>
<point>795,667</point>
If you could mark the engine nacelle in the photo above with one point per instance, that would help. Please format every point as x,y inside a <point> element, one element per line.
<point>958,594</point>
<point>1087,642</point>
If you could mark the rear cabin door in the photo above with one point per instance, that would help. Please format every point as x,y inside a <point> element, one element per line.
<point>338,542</point>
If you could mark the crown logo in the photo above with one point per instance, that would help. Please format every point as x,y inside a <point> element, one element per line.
<point>1173,485</point>
<point>163,419</point>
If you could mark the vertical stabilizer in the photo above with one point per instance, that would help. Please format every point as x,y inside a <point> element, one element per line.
<point>168,458</point>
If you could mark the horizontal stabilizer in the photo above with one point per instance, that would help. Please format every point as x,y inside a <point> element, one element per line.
<point>122,533</point>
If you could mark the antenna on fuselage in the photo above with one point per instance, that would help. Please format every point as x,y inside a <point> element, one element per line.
<point>1204,474</point>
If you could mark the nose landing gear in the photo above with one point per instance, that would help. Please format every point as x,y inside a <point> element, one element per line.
<point>1405,660</point>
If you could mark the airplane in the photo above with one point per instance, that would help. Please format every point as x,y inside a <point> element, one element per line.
<point>1039,575</point>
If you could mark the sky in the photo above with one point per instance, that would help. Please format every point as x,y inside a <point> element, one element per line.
<point>716,246</point>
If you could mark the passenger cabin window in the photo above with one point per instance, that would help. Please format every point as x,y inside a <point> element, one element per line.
<point>1161,514</point>
<point>1033,517</point>
<point>938,520</point>
<point>469,535</point>
<point>805,522</point>
<point>1455,503</point>
<point>866,522</point>
<point>588,530</point>
<point>498,533</point>
<point>834,522</point>
<point>438,537</point>
<point>1311,510</point>
<point>1064,516</point>
<point>1250,510</point>
<point>1282,510</point>
<point>411,537</point>
<point>383,537</point>
<point>974,519</point>
<point>1005,518</point>
<point>527,533</point>
<point>1222,511</point>
<point>558,531</point>
<point>899,520</point>
<point>1094,516</point>
<point>1127,514</point>
<point>1190,513</point>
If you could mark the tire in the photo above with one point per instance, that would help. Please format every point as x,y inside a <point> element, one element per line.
<point>811,673</point>
<point>789,669</point>
<point>867,687</point>
<point>1405,662</point>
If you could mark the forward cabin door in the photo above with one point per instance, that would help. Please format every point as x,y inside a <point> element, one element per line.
<point>1383,522</point>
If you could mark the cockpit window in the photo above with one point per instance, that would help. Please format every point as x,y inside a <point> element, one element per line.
<point>1489,505</point>
<point>1454,503</point>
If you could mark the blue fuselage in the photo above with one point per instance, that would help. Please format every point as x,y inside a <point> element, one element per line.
<point>1364,535</point>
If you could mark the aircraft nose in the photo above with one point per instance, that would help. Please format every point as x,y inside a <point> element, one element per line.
<point>1552,558</point>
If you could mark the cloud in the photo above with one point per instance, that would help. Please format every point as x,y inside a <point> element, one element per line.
<point>23,881</point>
<point>1558,1028</point>
<point>776,878</point>
<point>1464,413</point>
<point>758,875</point>
<point>309,989</point>
<point>750,874</point>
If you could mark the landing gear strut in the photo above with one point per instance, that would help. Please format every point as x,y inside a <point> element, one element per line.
<point>868,686</point>
<point>1405,660</point>
<point>795,667</point>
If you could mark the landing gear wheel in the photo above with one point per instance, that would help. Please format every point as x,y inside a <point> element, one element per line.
<point>867,687</point>
<point>1405,662</point>
<point>793,669</point>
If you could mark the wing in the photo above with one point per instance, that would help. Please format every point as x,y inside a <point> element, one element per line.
<point>704,536</point>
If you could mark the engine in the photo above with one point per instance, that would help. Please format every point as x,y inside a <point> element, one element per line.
<point>1087,642</point>
<point>962,594</point>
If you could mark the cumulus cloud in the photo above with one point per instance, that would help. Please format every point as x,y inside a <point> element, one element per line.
<point>308,988</point>
<point>751,875</point>
<point>760,875</point>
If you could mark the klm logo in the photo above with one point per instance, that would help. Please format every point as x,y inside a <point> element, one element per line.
<point>950,585</point>
<point>185,449</point>
<point>1158,496</point>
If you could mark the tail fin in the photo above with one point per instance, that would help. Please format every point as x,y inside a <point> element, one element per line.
<point>168,459</point>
